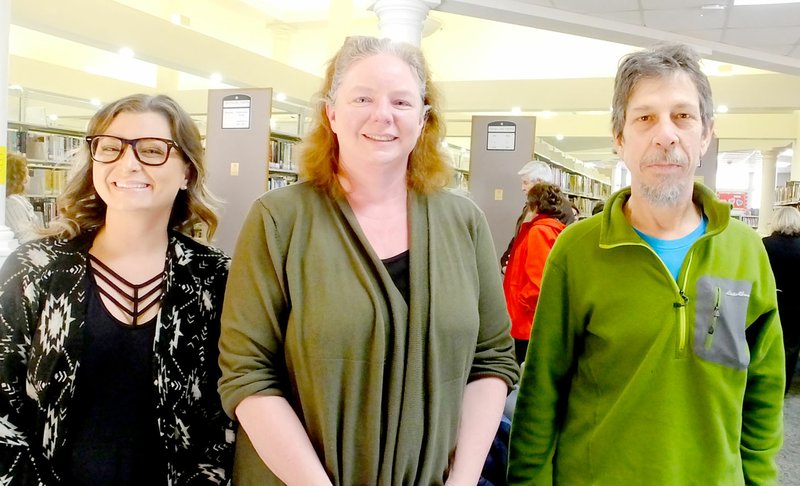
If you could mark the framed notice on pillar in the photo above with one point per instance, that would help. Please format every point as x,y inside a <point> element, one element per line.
<point>501,135</point>
<point>236,111</point>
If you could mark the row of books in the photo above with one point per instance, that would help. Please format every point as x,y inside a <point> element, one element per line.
<point>47,182</point>
<point>43,146</point>
<point>580,184</point>
<point>281,155</point>
<point>275,182</point>
<point>788,193</point>
<point>45,207</point>
<point>584,205</point>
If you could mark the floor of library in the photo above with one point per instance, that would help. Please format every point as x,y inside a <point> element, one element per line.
<point>789,458</point>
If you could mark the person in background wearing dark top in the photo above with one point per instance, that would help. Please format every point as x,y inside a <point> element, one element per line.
<point>20,216</point>
<point>783,248</point>
<point>109,325</point>
<point>392,365</point>
<point>531,173</point>
<point>598,207</point>
<point>656,354</point>
<point>523,277</point>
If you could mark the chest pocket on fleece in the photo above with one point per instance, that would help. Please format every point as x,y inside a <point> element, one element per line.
<point>720,319</point>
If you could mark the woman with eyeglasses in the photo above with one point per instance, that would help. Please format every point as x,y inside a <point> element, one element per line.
<point>109,326</point>
<point>365,339</point>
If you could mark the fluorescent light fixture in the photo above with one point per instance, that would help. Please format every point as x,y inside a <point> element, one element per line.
<point>52,117</point>
<point>126,52</point>
<point>722,109</point>
<point>739,3</point>
<point>516,110</point>
<point>95,102</point>
<point>712,6</point>
<point>560,136</point>
<point>280,96</point>
<point>215,78</point>
<point>590,165</point>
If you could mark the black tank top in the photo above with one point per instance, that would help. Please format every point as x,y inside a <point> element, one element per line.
<point>113,432</point>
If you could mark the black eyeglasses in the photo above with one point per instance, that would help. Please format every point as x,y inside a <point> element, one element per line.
<point>149,151</point>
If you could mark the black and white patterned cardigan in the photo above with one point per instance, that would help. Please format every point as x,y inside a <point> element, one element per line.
<point>43,302</point>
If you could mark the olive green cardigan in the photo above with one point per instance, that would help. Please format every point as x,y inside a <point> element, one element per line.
<point>311,314</point>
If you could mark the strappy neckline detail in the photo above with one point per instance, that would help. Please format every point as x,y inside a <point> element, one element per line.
<point>138,304</point>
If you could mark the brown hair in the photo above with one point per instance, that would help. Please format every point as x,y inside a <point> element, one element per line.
<point>16,174</point>
<point>660,61</point>
<point>547,199</point>
<point>428,169</point>
<point>81,208</point>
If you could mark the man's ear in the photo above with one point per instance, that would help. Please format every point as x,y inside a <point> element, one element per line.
<point>705,141</point>
<point>619,145</point>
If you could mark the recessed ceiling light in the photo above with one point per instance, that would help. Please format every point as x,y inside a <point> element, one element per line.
<point>215,78</point>
<point>280,96</point>
<point>712,6</point>
<point>95,102</point>
<point>516,110</point>
<point>722,109</point>
<point>53,117</point>
<point>560,136</point>
<point>737,3</point>
<point>126,52</point>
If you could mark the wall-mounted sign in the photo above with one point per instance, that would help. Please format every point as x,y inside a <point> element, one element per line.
<point>236,111</point>
<point>501,135</point>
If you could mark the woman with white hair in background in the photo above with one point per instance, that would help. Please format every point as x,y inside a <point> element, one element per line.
<point>783,248</point>
<point>530,173</point>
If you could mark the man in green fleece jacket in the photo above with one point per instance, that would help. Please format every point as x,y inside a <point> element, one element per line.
<point>656,354</point>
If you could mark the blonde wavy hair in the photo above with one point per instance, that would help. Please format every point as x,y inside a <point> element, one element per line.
<point>428,167</point>
<point>81,209</point>
<point>16,174</point>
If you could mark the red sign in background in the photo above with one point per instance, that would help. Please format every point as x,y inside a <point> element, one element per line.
<point>738,199</point>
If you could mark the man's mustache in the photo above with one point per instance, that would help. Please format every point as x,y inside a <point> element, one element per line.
<point>672,156</point>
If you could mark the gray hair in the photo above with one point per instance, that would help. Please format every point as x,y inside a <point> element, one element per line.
<point>536,169</point>
<point>356,48</point>
<point>785,220</point>
<point>660,61</point>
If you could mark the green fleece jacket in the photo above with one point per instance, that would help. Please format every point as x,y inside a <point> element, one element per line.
<point>312,314</point>
<point>633,378</point>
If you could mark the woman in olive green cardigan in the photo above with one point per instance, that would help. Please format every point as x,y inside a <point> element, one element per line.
<point>365,336</point>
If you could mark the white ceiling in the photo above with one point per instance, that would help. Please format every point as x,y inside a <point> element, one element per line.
<point>488,55</point>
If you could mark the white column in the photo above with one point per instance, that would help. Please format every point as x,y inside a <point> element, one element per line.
<point>769,160</point>
<point>401,20</point>
<point>7,241</point>
<point>795,174</point>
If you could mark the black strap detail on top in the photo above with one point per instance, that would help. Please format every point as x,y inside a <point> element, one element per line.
<point>135,299</point>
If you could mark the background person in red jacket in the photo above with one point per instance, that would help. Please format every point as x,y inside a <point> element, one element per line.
<point>528,254</point>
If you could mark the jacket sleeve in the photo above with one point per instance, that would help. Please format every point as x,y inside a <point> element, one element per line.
<point>208,456</point>
<point>762,411</point>
<point>541,402</point>
<point>21,459</point>
<point>540,240</point>
<point>494,354</point>
<point>254,314</point>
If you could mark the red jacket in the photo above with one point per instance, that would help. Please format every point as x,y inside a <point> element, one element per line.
<point>523,277</point>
